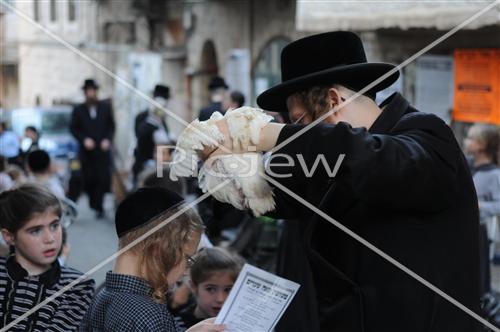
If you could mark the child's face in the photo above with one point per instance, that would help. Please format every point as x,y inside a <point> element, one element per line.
<point>189,250</point>
<point>211,293</point>
<point>37,243</point>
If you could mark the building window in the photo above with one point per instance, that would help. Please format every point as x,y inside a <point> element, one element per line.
<point>36,10</point>
<point>53,10</point>
<point>71,10</point>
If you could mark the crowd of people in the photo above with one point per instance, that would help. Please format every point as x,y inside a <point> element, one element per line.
<point>405,186</point>
<point>33,206</point>
<point>137,294</point>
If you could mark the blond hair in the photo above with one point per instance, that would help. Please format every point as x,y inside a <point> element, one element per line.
<point>162,251</point>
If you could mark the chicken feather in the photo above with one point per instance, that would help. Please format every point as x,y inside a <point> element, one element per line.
<point>247,189</point>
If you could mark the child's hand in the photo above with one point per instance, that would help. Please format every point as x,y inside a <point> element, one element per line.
<point>207,325</point>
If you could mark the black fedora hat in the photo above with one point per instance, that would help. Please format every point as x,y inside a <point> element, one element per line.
<point>326,58</point>
<point>216,83</point>
<point>90,84</point>
<point>161,91</point>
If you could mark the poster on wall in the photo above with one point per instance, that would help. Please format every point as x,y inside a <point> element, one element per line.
<point>434,85</point>
<point>476,90</point>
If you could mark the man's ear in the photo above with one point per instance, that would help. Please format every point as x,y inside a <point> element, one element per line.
<point>8,236</point>
<point>334,97</point>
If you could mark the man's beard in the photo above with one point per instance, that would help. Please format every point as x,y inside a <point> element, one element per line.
<point>91,101</point>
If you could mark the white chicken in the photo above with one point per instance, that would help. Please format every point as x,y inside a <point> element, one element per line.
<point>246,189</point>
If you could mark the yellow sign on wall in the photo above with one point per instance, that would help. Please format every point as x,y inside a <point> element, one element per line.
<point>477,86</point>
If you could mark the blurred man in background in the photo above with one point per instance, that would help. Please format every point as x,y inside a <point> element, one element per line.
<point>151,130</point>
<point>218,90</point>
<point>235,99</point>
<point>93,126</point>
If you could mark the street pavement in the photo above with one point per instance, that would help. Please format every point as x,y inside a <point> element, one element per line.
<point>92,240</point>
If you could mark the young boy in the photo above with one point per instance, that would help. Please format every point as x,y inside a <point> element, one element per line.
<point>38,163</point>
<point>133,297</point>
<point>30,225</point>
<point>213,274</point>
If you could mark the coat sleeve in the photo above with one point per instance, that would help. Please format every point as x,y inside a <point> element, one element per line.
<point>74,306</point>
<point>76,125</point>
<point>414,167</point>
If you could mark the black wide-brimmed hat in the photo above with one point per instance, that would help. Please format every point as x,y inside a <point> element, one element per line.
<point>90,84</point>
<point>142,206</point>
<point>161,91</point>
<point>216,83</point>
<point>327,58</point>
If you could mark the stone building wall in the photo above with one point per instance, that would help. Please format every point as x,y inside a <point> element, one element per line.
<point>225,26</point>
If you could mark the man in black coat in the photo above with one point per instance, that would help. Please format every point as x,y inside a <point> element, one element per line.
<point>218,90</point>
<point>403,185</point>
<point>161,94</point>
<point>150,129</point>
<point>92,124</point>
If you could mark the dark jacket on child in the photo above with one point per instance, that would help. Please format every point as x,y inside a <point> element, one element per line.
<point>19,293</point>
<point>186,316</point>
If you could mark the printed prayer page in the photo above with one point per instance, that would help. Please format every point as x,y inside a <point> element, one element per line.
<point>257,301</point>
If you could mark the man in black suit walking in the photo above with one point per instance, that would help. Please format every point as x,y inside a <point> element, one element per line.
<point>93,126</point>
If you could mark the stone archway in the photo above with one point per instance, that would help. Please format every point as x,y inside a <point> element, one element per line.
<point>208,68</point>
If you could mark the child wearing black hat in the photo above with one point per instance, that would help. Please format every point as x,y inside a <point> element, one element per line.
<point>39,165</point>
<point>158,236</point>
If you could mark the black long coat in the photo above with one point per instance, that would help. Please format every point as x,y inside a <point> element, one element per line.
<point>145,148</point>
<point>404,186</point>
<point>96,164</point>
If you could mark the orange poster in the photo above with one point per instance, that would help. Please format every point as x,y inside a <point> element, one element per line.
<point>477,86</point>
